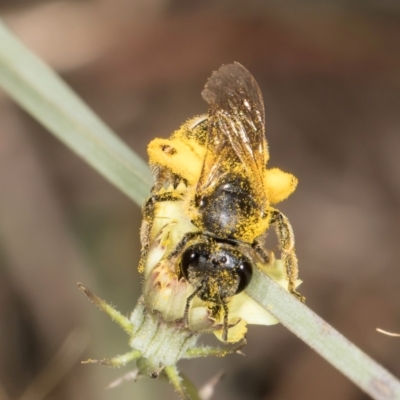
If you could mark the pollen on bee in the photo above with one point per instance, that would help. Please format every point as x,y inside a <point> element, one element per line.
<point>168,149</point>
<point>181,186</point>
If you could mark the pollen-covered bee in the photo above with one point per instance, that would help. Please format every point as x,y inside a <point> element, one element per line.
<point>211,205</point>
<point>203,232</point>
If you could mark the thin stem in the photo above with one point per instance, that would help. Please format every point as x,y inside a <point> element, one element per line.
<point>115,315</point>
<point>207,351</point>
<point>118,361</point>
<point>57,368</point>
<point>182,385</point>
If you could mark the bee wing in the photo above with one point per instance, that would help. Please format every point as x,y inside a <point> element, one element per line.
<point>236,129</point>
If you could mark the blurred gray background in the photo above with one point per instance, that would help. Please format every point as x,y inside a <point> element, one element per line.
<point>330,75</point>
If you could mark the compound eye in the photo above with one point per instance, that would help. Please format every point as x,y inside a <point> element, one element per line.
<point>192,257</point>
<point>245,272</point>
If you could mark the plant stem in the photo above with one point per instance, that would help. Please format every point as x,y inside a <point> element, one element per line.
<point>371,377</point>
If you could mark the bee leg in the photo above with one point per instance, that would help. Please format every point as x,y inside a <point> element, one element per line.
<point>225,332</point>
<point>148,217</point>
<point>186,312</point>
<point>145,239</point>
<point>261,252</point>
<point>285,235</point>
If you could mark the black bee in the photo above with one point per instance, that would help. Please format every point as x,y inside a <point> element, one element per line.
<point>214,168</point>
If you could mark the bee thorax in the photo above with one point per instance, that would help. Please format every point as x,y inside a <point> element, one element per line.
<point>228,211</point>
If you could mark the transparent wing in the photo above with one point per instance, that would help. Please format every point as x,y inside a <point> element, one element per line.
<point>236,129</point>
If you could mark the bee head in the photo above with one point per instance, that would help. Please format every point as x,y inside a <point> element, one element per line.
<point>218,270</point>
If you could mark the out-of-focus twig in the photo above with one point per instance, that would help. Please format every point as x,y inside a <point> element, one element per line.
<point>208,390</point>
<point>3,394</point>
<point>388,333</point>
<point>62,362</point>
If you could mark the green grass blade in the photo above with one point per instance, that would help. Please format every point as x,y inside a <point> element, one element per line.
<point>371,377</point>
<point>41,92</point>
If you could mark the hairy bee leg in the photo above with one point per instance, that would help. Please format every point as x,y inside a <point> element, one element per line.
<point>115,315</point>
<point>179,247</point>
<point>285,235</point>
<point>148,217</point>
<point>225,332</point>
<point>117,361</point>
<point>261,252</point>
<point>206,351</point>
<point>187,306</point>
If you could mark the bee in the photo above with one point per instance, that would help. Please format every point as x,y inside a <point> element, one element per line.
<point>212,182</point>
